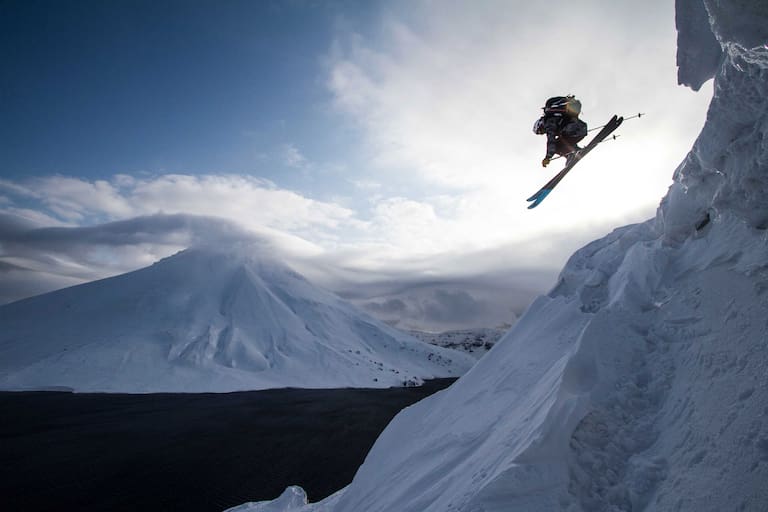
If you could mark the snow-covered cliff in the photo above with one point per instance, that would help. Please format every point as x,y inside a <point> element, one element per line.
<point>207,320</point>
<point>640,381</point>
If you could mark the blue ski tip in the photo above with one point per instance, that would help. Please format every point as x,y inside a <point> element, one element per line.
<point>542,193</point>
<point>538,198</point>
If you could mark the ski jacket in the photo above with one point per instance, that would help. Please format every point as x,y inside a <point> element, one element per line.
<point>558,126</point>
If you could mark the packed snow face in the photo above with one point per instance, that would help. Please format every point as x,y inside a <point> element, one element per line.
<point>207,320</point>
<point>639,381</point>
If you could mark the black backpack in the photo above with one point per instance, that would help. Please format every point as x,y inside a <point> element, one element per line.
<point>563,105</point>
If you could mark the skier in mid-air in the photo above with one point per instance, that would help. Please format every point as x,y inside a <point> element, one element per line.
<point>564,130</point>
<point>562,126</point>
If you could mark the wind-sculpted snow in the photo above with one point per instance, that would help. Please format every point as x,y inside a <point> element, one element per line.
<point>698,51</point>
<point>207,320</point>
<point>727,169</point>
<point>639,381</point>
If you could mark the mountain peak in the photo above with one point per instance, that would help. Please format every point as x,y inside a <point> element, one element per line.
<point>209,318</point>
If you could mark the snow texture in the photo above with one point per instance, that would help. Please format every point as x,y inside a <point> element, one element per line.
<point>639,382</point>
<point>207,320</point>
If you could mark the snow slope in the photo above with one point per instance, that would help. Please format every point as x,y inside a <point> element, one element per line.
<point>207,320</point>
<point>640,382</point>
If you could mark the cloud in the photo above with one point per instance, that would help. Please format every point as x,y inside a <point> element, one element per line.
<point>443,304</point>
<point>292,157</point>
<point>58,231</point>
<point>178,228</point>
<point>389,307</point>
<point>248,201</point>
<point>17,282</point>
<point>396,231</point>
<point>36,260</point>
<point>453,306</point>
<point>439,309</point>
<point>104,249</point>
<point>454,290</point>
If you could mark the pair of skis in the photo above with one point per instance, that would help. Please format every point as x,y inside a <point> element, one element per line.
<point>603,134</point>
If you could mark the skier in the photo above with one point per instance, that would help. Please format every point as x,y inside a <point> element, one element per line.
<point>563,127</point>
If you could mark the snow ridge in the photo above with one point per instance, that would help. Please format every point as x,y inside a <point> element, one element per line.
<point>638,382</point>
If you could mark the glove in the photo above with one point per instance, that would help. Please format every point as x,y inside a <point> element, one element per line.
<point>545,162</point>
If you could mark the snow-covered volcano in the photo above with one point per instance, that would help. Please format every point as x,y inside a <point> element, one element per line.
<point>640,382</point>
<point>207,320</point>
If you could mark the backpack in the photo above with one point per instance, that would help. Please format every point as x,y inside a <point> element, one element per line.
<point>560,105</point>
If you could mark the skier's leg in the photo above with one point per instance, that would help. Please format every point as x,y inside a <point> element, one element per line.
<point>572,134</point>
<point>566,146</point>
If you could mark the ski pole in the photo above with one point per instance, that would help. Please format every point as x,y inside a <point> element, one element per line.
<point>612,137</point>
<point>641,114</point>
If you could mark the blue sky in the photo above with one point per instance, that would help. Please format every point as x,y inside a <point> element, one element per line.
<point>95,88</point>
<point>384,148</point>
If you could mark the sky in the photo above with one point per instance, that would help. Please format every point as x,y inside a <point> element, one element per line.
<point>383,148</point>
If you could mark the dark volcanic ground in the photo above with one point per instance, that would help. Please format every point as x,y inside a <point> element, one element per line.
<point>186,452</point>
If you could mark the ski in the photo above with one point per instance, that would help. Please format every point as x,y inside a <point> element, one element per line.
<point>544,191</point>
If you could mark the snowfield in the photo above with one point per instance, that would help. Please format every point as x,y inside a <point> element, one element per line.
<point>207,320</point>
<point>640,382</point>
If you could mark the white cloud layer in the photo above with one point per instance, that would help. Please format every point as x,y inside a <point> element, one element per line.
<point>248,201</point>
